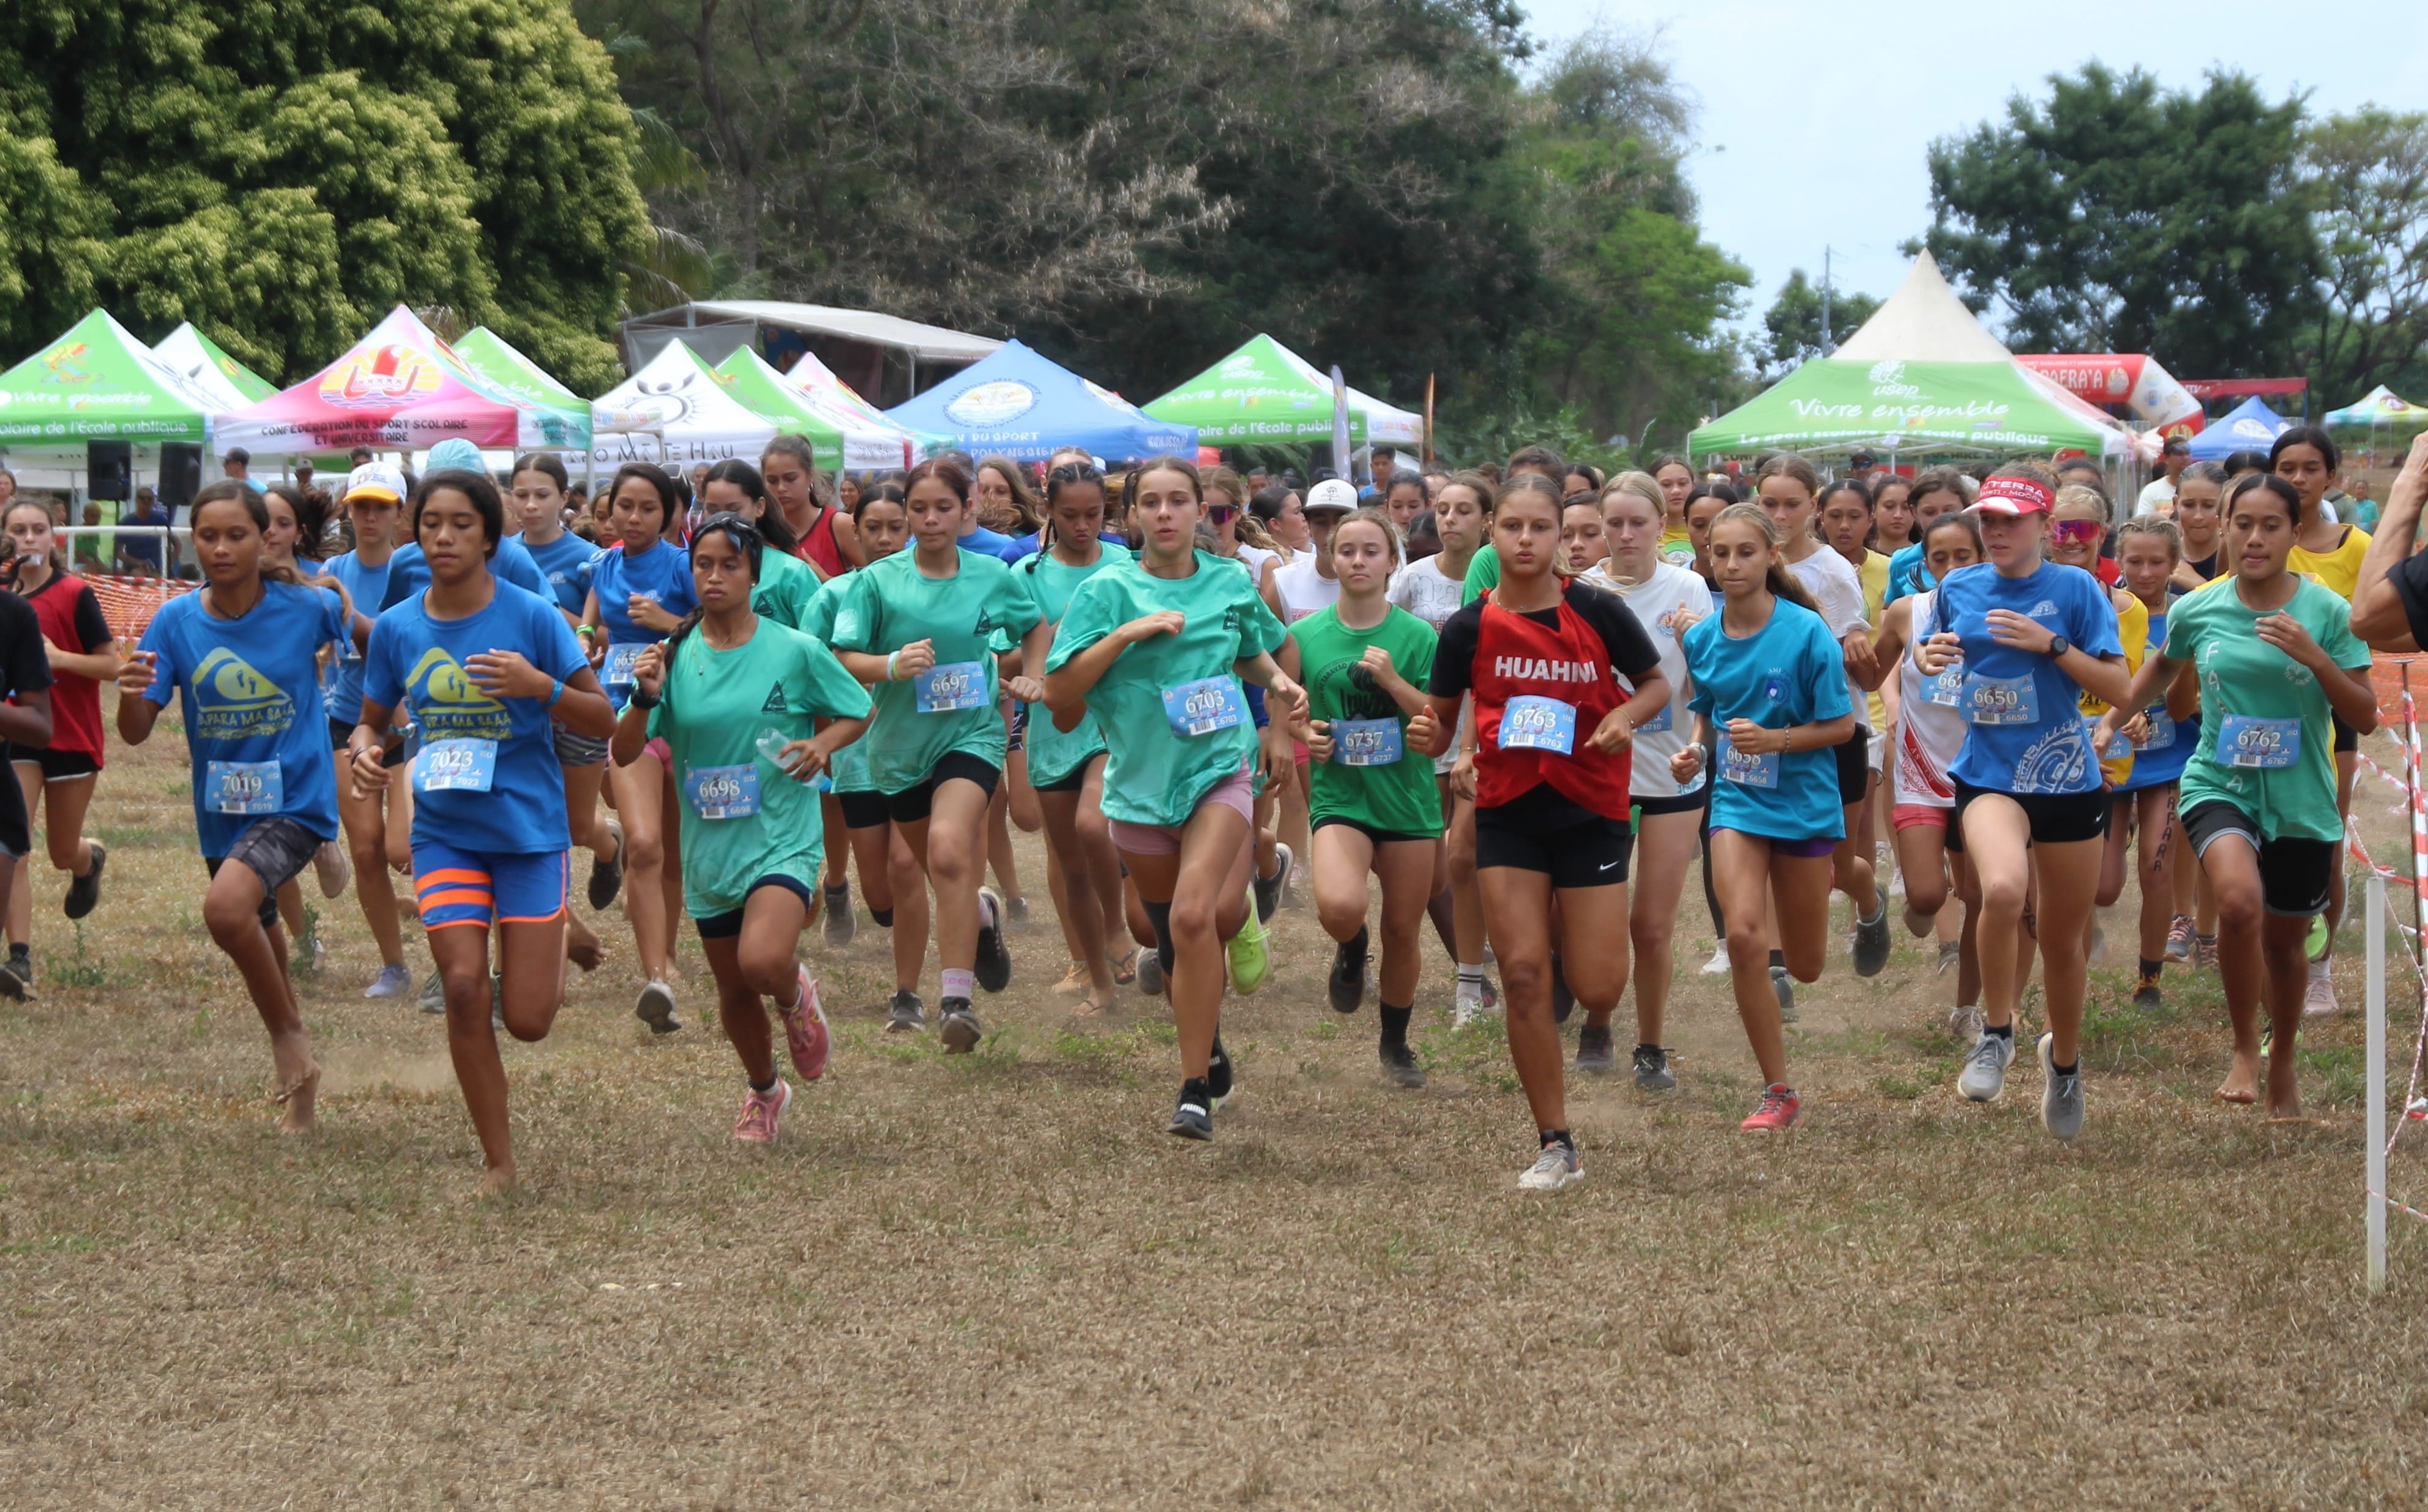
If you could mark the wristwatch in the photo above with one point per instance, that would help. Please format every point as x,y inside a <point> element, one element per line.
<point>2058,646</point>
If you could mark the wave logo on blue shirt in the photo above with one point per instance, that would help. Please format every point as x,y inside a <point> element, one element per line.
<point>233,701</point>
<point>2043,609</point>
<point>1774,686</point>
<point>2057,763</point>
<point>450,704</point>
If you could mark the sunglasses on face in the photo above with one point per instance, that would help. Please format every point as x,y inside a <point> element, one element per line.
<point>1222,513</point>
<point>2072,531</point>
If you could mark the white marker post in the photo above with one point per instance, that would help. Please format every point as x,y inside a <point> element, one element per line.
<point>2376,958</point>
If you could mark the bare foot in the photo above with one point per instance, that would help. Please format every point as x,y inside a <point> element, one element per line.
<point>497,1181</point>
<point>2242,1083</point>
<point>298,1093</point>
<point>582,951</point>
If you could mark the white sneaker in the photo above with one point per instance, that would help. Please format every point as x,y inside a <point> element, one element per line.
<point>1467,1012</point>
<point>1985,1066</point>
<point>1964,1021</point>
<point>333,867</point>
<point>1556,1167</point>
<point>2318,998</point>
<point>1718,964</point>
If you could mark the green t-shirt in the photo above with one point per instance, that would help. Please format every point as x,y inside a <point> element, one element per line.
<point>1051,754</point>
<point>1397,797</point>
<point>890,604</point>
<point>2240,674</point>
<point>714,707</point>
<point>1153,773</point>
<point>1483,574</point>
<point>785,587</point>
<point>848,773</point>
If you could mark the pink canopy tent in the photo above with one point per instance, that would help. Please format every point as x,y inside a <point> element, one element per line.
<point>399,387</point>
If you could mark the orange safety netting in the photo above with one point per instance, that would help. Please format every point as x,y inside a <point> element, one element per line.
<point>129,603</point>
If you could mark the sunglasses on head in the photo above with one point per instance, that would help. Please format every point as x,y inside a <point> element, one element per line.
<point>2073,530</point>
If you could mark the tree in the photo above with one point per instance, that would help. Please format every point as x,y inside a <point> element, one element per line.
<point>281,173</point>
<point>2368,172</point>
<point>1793,321</point>
<point>2117,217</point>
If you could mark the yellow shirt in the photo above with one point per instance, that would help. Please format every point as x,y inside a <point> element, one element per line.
<point>1873,575</point>
<point>2133,632</point>
<point>2338,569</point>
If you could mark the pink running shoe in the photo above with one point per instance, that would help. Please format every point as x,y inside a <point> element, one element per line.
<point>805,1030</point>
<point>1776,1111</point>
<point>759,1115</point>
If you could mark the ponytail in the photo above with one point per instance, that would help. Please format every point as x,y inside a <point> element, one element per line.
<point>1781,582</point>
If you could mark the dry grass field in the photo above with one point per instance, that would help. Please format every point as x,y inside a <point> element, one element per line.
<point>993,1282</point>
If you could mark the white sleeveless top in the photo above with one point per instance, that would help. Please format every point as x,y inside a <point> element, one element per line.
<point>1929,735</point>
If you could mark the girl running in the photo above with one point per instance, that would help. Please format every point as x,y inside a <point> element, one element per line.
<point>1676,476</point>
<point>2029,638</point>
<point>784,588</point>
<point>1771,699</point>
<point>484,668</point>
<point>2278,665</point>
<point>2199,493</point>
<point>2148,550</point>
<point>918,625</point>
<point>2078,532</point>
<point>1937,491</point>
<point>1156,653</point>
<point>59,776</point>
<point>822,535</point>
<point>243,655</point>
<point>294,541</point>
<point>750,711</point>
<point>374,822</point>
<point>640,590</point>
<point>1554,732</point>
<point>1364,664</point>
<point>1893,528</point>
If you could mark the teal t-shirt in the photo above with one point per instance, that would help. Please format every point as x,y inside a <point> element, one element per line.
<point>1051,754</point>
<point>1395,797</point>
<point>890,604</point>
<point>1155,774</point>
<point>785,587</point>
<point>848,771</point>
<point>710,713</point>
<point>1483,574</point>
<point>2240,674</point>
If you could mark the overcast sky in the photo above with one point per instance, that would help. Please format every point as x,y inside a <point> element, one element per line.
<point>1815,117</point>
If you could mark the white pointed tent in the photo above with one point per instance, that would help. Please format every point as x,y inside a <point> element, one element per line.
<point>692,416</point>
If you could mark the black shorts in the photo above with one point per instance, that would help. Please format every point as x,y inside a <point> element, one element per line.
<point>863,810</point>
<point>2057,818</point>
<point>2347,739</point>
<point>1854,756</point>
<point>57,766</point>
<point>726,926</point>
<point>576,750</point>
<point>1072,781</point>
<point>276,850</point>
<point>1372,834</point>
<point>16,832</point>
<point>2295,875</point>
<point>1693,802</point>
<point>340,735</point>
<point>914,803</point>
<point>1593,853</point>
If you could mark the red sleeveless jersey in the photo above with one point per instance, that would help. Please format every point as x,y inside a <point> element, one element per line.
<point>820,545</point>
<point>76,699</point>
<point>1516,657</point>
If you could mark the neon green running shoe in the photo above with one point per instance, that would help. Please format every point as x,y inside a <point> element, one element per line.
<point>1247,955</point>
<point>2316,945</point>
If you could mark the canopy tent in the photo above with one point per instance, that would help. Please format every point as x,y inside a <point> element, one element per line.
<point>840,439</point>
<point>1021,405</point>
<point>2249,426</point>
<point>97,382</point>
<point>1266,392</point>
<point>2379,412</point>
<point>1921,376</point>
<point>210,371</point>
<point>690,417</point>
<point>819,382</point>
<point>885,354</point>
<point>399,387</point>
<point>2134,382</point>
<point>495,361</point>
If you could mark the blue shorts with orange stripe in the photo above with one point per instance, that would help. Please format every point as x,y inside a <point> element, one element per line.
<point>458,886</point>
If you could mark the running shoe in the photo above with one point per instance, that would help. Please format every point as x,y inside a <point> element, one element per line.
<point>85,891</point>
<point>760,1114</point>
<point>1075,981</point>
<point>2319,997</point>
<point>1269,889</point>
<point>1718,964</point>
<point>1776,1113</point>
<point>1950,952</point>
<point>607,877</point>
<point>1594,1051</point>
<point>656,1008</point>
<point>805,1030</point>
<point>1466,1011</point>
<point>1246,955</point>
<point>1871,946</point>
<point>17,978</point>
<point>330,864</point>
<point>1346,985</point>
<point>1964,1021</point>
<point>1563,1002</point>
<point>1150,971</point>
<point>2314,945</point>
<point>1015,911</point>
<point>1785,987</point>
<point>1218,1075</point>
<point>392,982</point>
<point>1985,1066</point>
<point>2146,995</point>
<point>1192,1118</point>
<point>2179,939</point>
<point>2098,951</point>
<point>1400,1065</point>
<point>1556,1167</point>
<point>2061,1095</point>
<point>1653,1072</point>
<point>957,1027</point>
<point>434,994</point>
<point>993,964</point>
<point>2204,952</point>
<point>841,924</point>
<point>909,1014</point>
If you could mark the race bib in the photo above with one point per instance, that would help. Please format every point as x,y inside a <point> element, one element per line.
<point>1947,689</point>
<point>1662,723</point>
<point>722,792</point>
<point>1366,743</point>
<point>244,786</point>
<point>619,663</point>
<point>1745,769</point>
<point>950,686</point>
<point>2268,744</point>
<point>1202,707</point>
<point>1533,724</point>
<point>2116,749</point>
<point>2001,701</point>
<point>455,765</point>
<point>2163,729</point>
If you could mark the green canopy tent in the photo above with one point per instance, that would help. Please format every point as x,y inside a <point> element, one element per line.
<point>209,370</point>
<point>2378,420</point>
<point>1264,392</point>
<point>94,382</point>
<point>496,363</point>
<point>841,441</point>
<point>1921,378</point>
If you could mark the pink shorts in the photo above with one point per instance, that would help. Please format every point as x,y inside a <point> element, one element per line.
<point>1236,793</point>
<point>657,747</point>
<point>1906,816</point>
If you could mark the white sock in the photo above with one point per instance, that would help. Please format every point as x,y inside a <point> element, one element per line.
<point>1471,981</point>
<point>2319,968</point>
<point>960,985</point>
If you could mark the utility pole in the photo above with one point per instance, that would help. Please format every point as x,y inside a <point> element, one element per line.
<point>1827,346</point>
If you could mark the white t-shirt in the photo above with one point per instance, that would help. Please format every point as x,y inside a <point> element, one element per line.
<point>1256,557</point>
<point>1830,580</point>
<point>1304,591</point>
<point>1666,604</point>
<point>1424,591</point>
<point>2157,493</point>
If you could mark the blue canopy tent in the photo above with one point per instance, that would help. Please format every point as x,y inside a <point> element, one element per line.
<point>1018,404</point>
<point>2249,426</point>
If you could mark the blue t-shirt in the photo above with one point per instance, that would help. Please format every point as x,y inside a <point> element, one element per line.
<point>564,564</point>
<point>662,571</point>
<point>2155,765</point>
<point>994,544</point>
<point>252,691</point>
<point>418,661</point>
<point>366,587</point>
<point>409,574</point>
<point>1907,574</point>
<point>1789,673</point>
<point>2025,732</point>
<point>1024,547</point>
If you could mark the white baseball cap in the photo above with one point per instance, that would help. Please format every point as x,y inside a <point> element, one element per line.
<point>375,480</point>
<point>1332,494</point>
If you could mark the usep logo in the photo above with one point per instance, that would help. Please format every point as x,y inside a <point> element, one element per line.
<point>1888,370</point>
<point>385,374</point>
<point>991,404</point>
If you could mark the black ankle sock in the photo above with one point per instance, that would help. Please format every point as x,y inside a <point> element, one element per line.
<point>1355,944</point>
<point>766,1090</point>
<point>1640,1049</point>
<point>1395,1025</point>
<point>20,952</point>
<point>1197,1090</point>
<point>884,916</point>
<point>2067,1071</point>
<point>1159,915</point>
<point>2005,1031</point>
<point>2150,968</point>
<point>1557,1136</point>
<point>1779,960</point>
